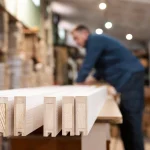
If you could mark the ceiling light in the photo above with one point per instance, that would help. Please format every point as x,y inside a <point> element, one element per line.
<point>36,2</point>
<point>99,31</point>
<point>129,36</point>
<point>102,6</point>
<point>108,25</point>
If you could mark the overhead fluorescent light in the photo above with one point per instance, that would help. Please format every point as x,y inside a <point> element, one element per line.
<point>36,2</point>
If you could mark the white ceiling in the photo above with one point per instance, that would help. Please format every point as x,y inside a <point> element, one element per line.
<point>127,16</point>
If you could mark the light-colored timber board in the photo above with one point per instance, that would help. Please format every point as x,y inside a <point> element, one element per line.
<point>9,94</point>
<point>9,109</point>
<point>53,110</point>
<point>88,106</point>
<point>110,112</point>
<point>37,106</point>
<point>7,119</point>
<point>33,114</point>
<point>34,106</point>
<point>68,110</point>
<point>3,115</point>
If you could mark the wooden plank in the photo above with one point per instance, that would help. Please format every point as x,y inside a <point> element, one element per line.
<point>110,112</point>
<point>3,116</point>
<point>88,106</point>
<point>68,109</point>
<point>8,113</point>
<point>7,118</point>
<point>9,109</point>
<point>19,111</point>
<point>34,110</point>
<point>68,115</point>
<point>53,110</point>
<point>53,114</point>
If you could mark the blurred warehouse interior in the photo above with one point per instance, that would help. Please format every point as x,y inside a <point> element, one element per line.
<point>37,49</point>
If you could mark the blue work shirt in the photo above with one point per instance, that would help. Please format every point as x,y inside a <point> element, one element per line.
<point>113,62</point>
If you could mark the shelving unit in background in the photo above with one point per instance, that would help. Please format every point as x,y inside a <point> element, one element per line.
<point>143,56</point>
<point>67,64</point>
<point>24,54</point>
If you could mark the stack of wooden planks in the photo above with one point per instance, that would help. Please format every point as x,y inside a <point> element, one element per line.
<point>72,109</point>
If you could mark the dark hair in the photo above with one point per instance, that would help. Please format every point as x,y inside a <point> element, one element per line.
<point>81,28</point>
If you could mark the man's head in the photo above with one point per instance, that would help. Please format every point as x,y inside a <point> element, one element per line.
<point>80,35</point>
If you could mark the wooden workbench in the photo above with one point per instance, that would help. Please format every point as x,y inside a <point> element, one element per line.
<point>98,138</point>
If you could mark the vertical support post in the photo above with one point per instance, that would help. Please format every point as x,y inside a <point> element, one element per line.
<point>97,138</point>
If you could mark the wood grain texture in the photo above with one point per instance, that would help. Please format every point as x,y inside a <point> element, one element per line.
<point>50,117</point>
<point>19,116</point>
<point>88,106</point>
<point>3,116</point>
<point>110,112</point>
<point>68,108</point>
<point>34,110</point>
<point>55,113</point>
<point>6,116</point>
<point>28,114</point>
<point>68,115</point>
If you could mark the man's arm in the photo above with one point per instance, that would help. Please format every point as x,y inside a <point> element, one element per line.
<point>93,52</point>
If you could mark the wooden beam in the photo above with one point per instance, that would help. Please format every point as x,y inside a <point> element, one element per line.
<point>68,109</point>
<point>33,105</point>
<point>110,112</point>
<point>79,107</point>
<point>7,107</point>
<point>3,116</point>
<point>88,106</point>
<point>55,113</point>
<point>68,114</point>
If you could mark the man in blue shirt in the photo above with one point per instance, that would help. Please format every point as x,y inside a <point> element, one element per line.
<point>116,65</point>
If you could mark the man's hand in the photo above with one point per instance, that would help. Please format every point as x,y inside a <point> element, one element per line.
<point>91,81</point>
<point>111,90</point>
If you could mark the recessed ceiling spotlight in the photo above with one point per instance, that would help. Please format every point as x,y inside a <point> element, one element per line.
<point>99,31</point>
<point>102,6</point>
<point>108,25</point>
<point>129,36</point>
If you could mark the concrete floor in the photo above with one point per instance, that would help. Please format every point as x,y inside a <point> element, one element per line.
<point>116,144</point>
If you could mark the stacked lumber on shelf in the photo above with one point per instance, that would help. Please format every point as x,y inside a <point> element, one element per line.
<point>16,47</point>
<point>58,108</point>
<point>16,39</point>
<point>31,45</point>
<point>4,31</point>
<point>28,77</point>
<point>44,75</point>
<point>16,69</point>
<point>4,76</point>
